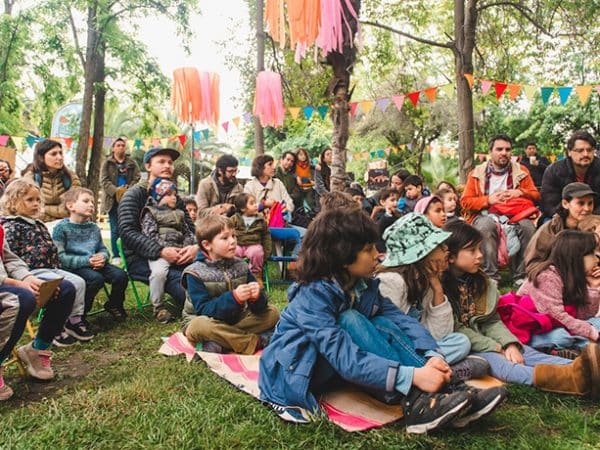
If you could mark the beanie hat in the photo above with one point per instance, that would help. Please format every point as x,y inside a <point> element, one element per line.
<point>161,187</point>
<point>410,239</point>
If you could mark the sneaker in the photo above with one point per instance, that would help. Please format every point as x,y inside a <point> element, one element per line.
<point>211,347</point>
<point>469,368</point>
<point>5,391</point>
<point>483,402</point>
<point>163,315</point>
<point>37,362</point>
<point>117,312</point>
<point>79,331</point>
<point>424,412</point>
<point>116,261</point>
<point>289,413</point>
<point>64,339</point>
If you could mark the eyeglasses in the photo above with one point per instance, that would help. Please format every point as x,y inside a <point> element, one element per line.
<point>231,171</point>
<point>582,150</point>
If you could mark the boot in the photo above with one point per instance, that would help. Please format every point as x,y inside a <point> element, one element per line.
<point>579,378</point>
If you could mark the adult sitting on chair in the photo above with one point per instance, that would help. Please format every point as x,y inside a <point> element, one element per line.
<point>217,191</point>
<point>137,247</point>
<point>494,185</point>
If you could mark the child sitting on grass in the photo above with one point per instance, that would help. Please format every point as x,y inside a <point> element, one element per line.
<point>386,213</point>
<point>19,291</point>
<point>225,309</point>
<point>164,223</point>
<point>30,240</point>
<point>474,297</point>
<point>337,326</point>
<point>252,233</point>
<point>82,251</point>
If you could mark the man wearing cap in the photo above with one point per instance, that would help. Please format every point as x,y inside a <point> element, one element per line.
<point>578,201</point>
<point>496,183</point>
<point>580,165</point>
<point>216,192</point>
<point>138,248</point>
<point>118,173</point>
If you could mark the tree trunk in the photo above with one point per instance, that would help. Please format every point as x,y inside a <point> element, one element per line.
<point>8,6</point>
<point>93,175</point>
<point>259,137</point>
<point>88,93</point>
<point>464,34</point>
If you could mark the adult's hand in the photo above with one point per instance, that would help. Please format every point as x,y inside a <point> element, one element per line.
<point>513,193</point>
<point>432,376</point>
<point>496,197</point>
<point>170,254</point>
<point>187,254</point>
<point>268,203</point>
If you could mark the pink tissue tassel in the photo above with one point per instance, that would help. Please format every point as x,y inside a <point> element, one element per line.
<point>268,100</point>
<point>333,19</point>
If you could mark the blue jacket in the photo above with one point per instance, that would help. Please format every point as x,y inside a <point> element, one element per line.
<point>308,328</point>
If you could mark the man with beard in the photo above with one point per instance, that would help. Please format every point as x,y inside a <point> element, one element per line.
<point>580,165</point>
<point>216,192</point>
<point>490,185</point>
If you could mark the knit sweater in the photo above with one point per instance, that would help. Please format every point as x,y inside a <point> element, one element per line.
<point>548,299</point>
<point>77,243</point>
<point>30,240</point>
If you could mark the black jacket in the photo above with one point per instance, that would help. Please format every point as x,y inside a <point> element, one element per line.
<point>136,244</point>
<point>536,172</point>
<point>561,173</point>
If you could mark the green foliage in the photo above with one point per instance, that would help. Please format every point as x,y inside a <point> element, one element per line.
<point>437,167</point>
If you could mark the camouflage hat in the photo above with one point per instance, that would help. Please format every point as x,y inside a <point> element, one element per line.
<point>410,239</point>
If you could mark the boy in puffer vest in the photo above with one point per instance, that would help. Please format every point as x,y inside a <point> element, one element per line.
<point>162,221</point>
<point>225,309</point>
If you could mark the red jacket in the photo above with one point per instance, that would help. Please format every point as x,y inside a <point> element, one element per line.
<point>474,200</point>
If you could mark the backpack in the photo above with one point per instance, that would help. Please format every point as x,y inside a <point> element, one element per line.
<point>66,179</point>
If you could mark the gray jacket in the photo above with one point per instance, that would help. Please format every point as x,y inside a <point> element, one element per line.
<point>12,266</point>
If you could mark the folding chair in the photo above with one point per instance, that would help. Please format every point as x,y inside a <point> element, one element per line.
<point>279,258</point>
<point>140,304</point>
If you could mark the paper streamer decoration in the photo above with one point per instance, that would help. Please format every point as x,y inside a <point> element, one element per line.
<point>333,22</point>
<point>268,100</point>
<point>195,96</point>
<point>304,18</point>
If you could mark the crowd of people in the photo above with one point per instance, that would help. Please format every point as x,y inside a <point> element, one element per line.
<point>396,293</point>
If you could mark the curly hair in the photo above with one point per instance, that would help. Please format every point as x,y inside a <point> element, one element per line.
<point>13,194</point>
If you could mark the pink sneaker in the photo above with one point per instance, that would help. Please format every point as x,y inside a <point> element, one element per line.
<point>37,362</point>
<point>5,391</point>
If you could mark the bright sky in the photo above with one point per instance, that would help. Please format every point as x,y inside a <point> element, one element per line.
<point>217,23</point>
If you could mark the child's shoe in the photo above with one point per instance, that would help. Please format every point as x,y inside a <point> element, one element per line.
<point>163,315</point>
<point>117,312</point>
<point>79,331</point>
<point>424,412</point>
<point>64,339</point>
<point>469,368</point>
<point>211,347</point>
<point>37,362</point>
<point>483,402</point>
<point>5,391</point>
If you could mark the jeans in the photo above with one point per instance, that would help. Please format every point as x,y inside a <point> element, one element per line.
<point>78,282</point>
<point>293,233</point>
<point>55,315</point>
<point>113,220</point>
<point>561,338</point>
<point>507,371</point>
<point>455,347</point>
<point>95,280</point>
<point>140,271</point>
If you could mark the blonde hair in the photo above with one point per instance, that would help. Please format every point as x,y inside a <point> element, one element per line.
<point>13,195</point>
<point>72,195</point>
<point>589,223</point>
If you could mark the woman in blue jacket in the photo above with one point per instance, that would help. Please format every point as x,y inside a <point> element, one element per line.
<point>337,326</point>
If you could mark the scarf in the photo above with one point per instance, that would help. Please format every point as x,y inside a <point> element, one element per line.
<point>490,170</point>
<point>224,189</point>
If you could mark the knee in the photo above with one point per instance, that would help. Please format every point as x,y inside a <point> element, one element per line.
<point>26,302</point>
<point>486,225</point>
<point>351,319</point>
<point>67,290</point>
<point>271,317</point>
<point>461,344</point>
<point>95,281</point>
<point>256,251</point>
<point>120,277</point>
<point>198,329</point>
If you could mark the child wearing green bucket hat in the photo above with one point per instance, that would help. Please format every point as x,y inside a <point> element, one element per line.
<point>410,276</point>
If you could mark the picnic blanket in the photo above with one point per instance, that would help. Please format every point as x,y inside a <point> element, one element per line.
<point>347,407</point>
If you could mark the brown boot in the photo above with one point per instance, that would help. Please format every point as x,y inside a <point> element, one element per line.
<point>579,378</point>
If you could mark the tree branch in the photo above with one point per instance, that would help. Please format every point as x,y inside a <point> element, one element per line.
<point>449,45</point>
<point>525,12</point>
<point>76,39</point>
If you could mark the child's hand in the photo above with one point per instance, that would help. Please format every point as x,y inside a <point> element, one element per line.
<point>243,293</point>
<point>32,283</point>
<point>513,354</point>
<point>255,290</point>
<point>432,376</point>
<point>97,261</point>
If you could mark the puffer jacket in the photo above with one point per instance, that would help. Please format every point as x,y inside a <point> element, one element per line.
<point>166,225</point>
<point>308,330</point>
<point>52,187</point>
<point>109,176</point>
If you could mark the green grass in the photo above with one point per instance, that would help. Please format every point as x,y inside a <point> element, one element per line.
<point>118,392</point>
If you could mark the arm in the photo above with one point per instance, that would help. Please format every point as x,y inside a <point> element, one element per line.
<point>129,211</point>
<point>439,320</point>
<point>14,266</point>
<point>479,342</point>
<point>495,329</point>
<point>267,242</point>
<point>106,182</point>
<point>224,307</point>
<point>259,305</point>
<point>527,187</point>
<point>100,247</point>
<point>472,198</point>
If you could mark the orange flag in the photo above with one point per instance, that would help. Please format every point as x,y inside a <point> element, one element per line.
<point>470,80</point>
<point>366,106</point>
<point>513,91</point>
<point>584,93</point>
<point>431,93</point>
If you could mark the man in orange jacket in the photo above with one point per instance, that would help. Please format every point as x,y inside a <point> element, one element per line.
<point>495,182</point>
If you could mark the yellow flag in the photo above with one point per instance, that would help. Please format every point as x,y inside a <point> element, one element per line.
<point>18,142</point>
<point>366,106</point>
<point>294,111</point>
<point>448,89</point>
<point>470,79</point>
<point>236,121</point>
<point>530,91</point>
<point>164,142</point>
<point>583,92</point>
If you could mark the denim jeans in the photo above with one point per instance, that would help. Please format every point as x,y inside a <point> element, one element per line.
<point>561,338</point>
<point>95,280</point>
<point>504,370</point>
<point>455,347</point>
<point>293,233</point>
<point>78,282</point>
<point>113,220</point>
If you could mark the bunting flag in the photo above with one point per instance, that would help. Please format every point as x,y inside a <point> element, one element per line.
<point>500,88</point>
<point>236,121</point>
<point>563,93</point>
<point>31,140</point>
<point>155,142</point>
<point>513,91</point>
<point>4,139</point>
<point>398,101</point>
<point>470,79</point>
<point>529,91</point>
<point>294,111</point>
<point>308,111</point>
<point>414,97</point>
<point>546,93</point>
<point>182,138</point>
<point>323,110</point>
<point>138,143</point>
<point>584,93</point>
<point>205,134</point>
<point>366,106</point>
<point>353,106</point>
<point>448,89</point>
<point>485,86</point>
<point>382,103</point>
<point>431,93</point>
<point>164,143</point>
<point>225,126</point>
<point>90,141</point>
<point>19,142</point>
<point>247,117</point>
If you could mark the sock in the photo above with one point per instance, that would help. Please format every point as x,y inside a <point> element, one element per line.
<point>75,319</point>
<point>38,344</point>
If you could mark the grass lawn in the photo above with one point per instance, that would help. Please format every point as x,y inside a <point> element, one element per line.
<point>118,392</point>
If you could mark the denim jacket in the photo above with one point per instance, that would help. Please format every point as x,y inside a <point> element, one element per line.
<point>308,328</point>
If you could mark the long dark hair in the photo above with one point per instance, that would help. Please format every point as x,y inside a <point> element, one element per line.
<point>41,148</point>
<point>415,277</point>
<point>464,236</point>
<point>325,169</point>
<point>258,165</point>
<point>332,242</point>
<point>567,257</point>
